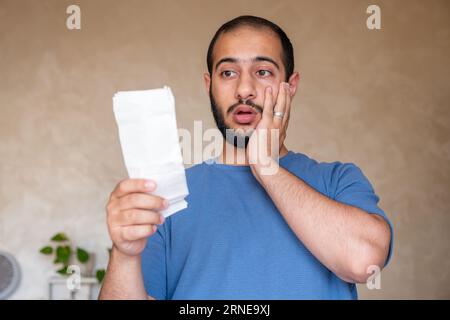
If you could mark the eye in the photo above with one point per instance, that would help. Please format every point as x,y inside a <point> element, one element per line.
<point>227,73</point>
<point>264,73</point>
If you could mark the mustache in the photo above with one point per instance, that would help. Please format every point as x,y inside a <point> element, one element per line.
<point>250,103</point>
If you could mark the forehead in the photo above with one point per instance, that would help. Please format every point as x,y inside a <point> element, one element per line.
<point>246,43</point>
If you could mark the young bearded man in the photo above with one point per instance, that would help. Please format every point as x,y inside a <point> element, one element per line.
<point>309,230</point>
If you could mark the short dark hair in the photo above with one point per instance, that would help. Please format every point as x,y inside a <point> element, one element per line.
<point>259,23</point>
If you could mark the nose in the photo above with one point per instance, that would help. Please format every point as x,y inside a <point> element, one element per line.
<point>245,89</point>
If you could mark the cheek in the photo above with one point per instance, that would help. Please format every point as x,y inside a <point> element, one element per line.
<point>272,82</point>
<point>224,94</point>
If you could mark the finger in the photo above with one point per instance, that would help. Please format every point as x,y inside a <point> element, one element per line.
<point>142,201</point>
<point>133,185</point>
<point>288,109</point>
<point>133,233</point>
<point>268,105</point>
<point>139,217</point>
<point>280,106</point>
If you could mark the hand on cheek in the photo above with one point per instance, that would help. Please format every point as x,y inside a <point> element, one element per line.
<point>263,147</point>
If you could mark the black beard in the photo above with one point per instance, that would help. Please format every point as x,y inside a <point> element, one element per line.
<point>236,138</point>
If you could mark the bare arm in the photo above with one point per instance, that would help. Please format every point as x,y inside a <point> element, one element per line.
<point>346,239</point>
<point>123,279</point>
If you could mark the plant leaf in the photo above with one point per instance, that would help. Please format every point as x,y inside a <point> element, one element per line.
<point>100,274</point>
<point>60,237</point>
<point>82,255</point>
<point>46,250</point>
<point>63,271</point>
<point>63,254</point>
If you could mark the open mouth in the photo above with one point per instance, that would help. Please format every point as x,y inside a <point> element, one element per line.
<point>244,114</point>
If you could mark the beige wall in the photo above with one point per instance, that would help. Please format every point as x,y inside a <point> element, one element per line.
<point>379,99</point>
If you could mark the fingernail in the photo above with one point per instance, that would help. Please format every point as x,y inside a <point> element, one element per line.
<point>149,185</point>
<point>162,219</point>
<point>286,86</point>
<point>166,204</point>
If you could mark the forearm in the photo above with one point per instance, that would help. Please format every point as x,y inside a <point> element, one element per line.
<point>123,279</point>
<point>345,239</point>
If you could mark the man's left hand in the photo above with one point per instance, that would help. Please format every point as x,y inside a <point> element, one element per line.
<point>261,152</point>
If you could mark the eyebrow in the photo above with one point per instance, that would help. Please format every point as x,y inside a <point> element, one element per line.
<point>255,59</point>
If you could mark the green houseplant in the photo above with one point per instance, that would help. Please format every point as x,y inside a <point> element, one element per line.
<point>64,254</point>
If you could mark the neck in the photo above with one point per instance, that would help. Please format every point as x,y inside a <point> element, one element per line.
<point>234,156</point>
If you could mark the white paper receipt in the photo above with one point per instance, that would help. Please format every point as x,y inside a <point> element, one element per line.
<point>149,139</point>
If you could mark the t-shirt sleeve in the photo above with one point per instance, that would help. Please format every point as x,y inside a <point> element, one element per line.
<point>154,265</point>
<point>354,189</point>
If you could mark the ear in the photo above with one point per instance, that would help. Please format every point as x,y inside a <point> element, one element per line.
<point>294,79</point>
<point>207,79</point>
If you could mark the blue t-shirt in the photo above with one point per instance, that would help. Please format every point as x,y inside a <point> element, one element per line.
<point>231,242</point>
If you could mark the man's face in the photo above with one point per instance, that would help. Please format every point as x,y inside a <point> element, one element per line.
<point>245,62</point>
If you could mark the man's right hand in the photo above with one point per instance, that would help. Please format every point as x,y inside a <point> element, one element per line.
<point>133,215</point>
